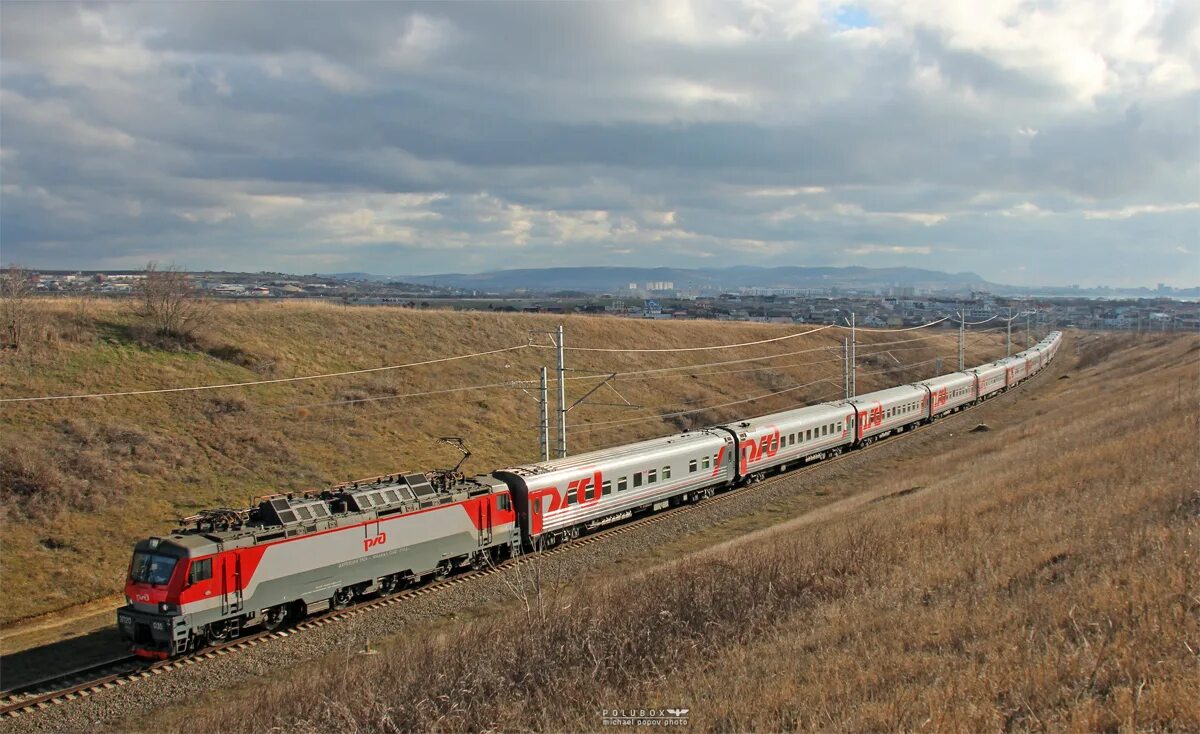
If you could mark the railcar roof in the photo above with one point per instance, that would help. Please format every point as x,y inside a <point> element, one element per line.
<point>900,392</point>
<point>616,452</point>
<point>814,412</point>
<point>945,379</point>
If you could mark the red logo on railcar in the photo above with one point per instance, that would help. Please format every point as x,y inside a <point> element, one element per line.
<point>768,445</point>
<point>940,398</point>
<point>369,543</point>
<point>871,418</point>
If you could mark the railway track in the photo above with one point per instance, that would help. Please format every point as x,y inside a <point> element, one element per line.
<point>84,682</point>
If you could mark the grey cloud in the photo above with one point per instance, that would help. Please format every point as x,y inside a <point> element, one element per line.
<point>267,136</point>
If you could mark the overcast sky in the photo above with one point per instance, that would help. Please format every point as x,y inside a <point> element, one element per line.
<point>1032,143</point>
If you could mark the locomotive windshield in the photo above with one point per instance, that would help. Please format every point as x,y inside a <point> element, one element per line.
<point>151,568</point>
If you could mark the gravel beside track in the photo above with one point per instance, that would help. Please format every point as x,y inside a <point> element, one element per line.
<point>124,705</point>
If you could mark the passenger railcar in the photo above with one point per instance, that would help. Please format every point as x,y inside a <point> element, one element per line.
<point>949,392</point>
<point>1015,369</point>
<point>561,498</point>
<point>990,379</point>
<point>792,437</point>
<point>884,412</point>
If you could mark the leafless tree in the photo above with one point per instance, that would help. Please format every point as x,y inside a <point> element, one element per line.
<point>15,312</point>
<point>170,302</point>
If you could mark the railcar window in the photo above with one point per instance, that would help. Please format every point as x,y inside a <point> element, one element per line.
<point>706,464</point>
<point>824,430</point>
<point>622,484</point>
<point>570,496</point>
<point>637,479</point>
<point>606,487</point>
<point>692,466</point>
<point>200,571</point>
<point>840,428</point>
<point>714,459</point>
<point>808,435</point>
<point>651,476</point>
<point>666,472</point>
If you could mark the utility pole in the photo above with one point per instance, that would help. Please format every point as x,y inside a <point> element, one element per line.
<point>1008,335</point>
<point>846,368</point>
<point>544,426</point>
<point>562,397</point>
<point>962,339</point>
<point>853,387</point>
<point>1028,333</point>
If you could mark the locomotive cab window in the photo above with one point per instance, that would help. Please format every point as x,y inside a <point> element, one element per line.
<point>151,568</point>
<point>503,503</point>
<point>200,571</point>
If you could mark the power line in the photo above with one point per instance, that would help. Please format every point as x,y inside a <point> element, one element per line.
<point>262,382</point>
<point>690,349</point>
<point>889,331</point>
<point>698,410</point>
<point>634,374</point>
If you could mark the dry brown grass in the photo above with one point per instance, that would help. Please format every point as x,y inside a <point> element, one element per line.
<point>81,480</point>
<point>1042,576</point>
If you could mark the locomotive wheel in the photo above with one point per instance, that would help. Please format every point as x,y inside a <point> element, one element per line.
<point>478,561</point>
<point>274,617</point>
<point>572,532</point>
<point>708,492</point>
<point>442,571</point>
<point>342,598</point>
<point>388,585</point>
<point>219,632</point>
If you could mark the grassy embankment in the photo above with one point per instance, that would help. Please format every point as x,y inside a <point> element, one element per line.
<point>81,480</point>
<point>1042,575</point>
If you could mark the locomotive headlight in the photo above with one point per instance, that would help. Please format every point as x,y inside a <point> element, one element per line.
<point>166,608</point>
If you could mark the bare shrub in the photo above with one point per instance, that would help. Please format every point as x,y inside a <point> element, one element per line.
<point>170,303</point>
<point>16,316</point>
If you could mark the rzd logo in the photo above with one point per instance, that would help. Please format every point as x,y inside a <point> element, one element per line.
<point>869,419</point>
<point>768,445</point>
<point>369,543</point>
<point>940,398</point>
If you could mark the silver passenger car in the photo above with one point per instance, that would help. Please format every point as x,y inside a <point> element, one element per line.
<point>557,499</point>
<point>792,437</point>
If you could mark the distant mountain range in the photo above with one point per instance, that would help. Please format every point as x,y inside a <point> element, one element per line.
<point>606,279</point>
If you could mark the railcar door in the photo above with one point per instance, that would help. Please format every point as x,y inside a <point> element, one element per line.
<point>483,510</point>
<point>231,582</point>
